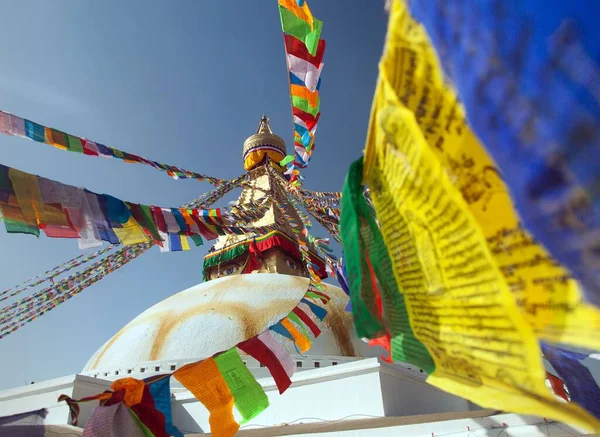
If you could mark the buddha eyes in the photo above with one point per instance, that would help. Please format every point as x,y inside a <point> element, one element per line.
<point>291,264</point>
<point>229,269</point>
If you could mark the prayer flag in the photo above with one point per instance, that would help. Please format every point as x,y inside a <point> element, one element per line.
<point>549,158</point>
<point>34,131</point>
<point>104,230</point>
<point>131,233</point>
<point>204,380</point>
<point>297,48</point>
<point>558,386</point>
<point>56,138</point>
<point>25,189</point>
<point>300,29</point>
<point>301,11</point>
<point>161,394</point>
<point>583,388</point>
<point>249,397</point>
<point>74,144</point>
<point>305,101</point>
<point>269,352</point>
<point>307,321</point>
<point>175,243</point>
<point>318,311</point>
<point>89,147</point>
<point>309,120</point>
<point>301,340</point>
<point>305,71</point>
<point>185,245</point>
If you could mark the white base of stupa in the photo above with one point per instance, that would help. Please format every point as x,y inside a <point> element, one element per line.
<point>365,397</point>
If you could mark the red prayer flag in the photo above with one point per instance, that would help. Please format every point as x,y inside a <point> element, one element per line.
<point>258,350</point>
<point>308,119</point>
<point>295,47</point>
<point>558,386</point>
<point>159,219</point>
<point>307,321</point>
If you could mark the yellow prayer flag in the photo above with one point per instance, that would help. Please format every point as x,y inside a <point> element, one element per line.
<point>185,245</point>
<point>131,233</point>
<point>548,298</point>
<point>456,289</point>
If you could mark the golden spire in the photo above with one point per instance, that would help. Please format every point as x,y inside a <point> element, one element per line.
<point>264,137</point>
<point>264,127</point>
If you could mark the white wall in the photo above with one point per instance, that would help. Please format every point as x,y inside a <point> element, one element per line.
<point>365,388</point>
<point>406,395</point>
<point>37,396</point>
<point>45,395</point>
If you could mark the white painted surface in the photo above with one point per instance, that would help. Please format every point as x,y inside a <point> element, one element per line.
<point>496,425</point>
<point>45,395</point>
<point>214,316</point>
<point>333,401</point>
<point>355,389</point>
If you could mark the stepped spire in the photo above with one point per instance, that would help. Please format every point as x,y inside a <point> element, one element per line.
<point>264,126</point>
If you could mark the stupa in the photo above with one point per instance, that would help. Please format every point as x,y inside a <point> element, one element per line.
<point>341,386</point>
<point>252,281</point>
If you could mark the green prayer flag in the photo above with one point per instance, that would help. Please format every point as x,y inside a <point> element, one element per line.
<point>197,239</point>
<point>74,144</point>
<point>249,397</point>
<point>145,430</point>
<point>300,29</point>
<point>16,227</point>
<point>148,222</point>
<point>286,160</point>
<point>362,238</point>
<point>303,105</point>
<point>294,318</point>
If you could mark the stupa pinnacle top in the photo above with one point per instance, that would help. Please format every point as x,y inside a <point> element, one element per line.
<point>263,143</point>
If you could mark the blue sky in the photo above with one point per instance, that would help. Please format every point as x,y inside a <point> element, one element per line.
<point>179,82</point>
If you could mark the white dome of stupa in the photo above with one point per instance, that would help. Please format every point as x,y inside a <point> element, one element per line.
<point>216,315</point>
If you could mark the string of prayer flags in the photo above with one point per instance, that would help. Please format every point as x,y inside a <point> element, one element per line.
<point>512,84</point>
<point>304,55</point>
<point>378,306</point>
<point>299,22</point>
<point>13,125</point>
<point>459,303</point>
<point>266,350</point>
<point>93,218</point>
<point>18,314</point>
<point>583,388</point>
<point>219,382</point>
<point>49,275</point>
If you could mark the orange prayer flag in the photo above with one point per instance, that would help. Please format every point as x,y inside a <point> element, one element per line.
<point>302,342</point>
<point>304,93</point>
<point>134,390</point>
<point>205,382</point>
<point>56,138</point>
<point>302,12</point>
